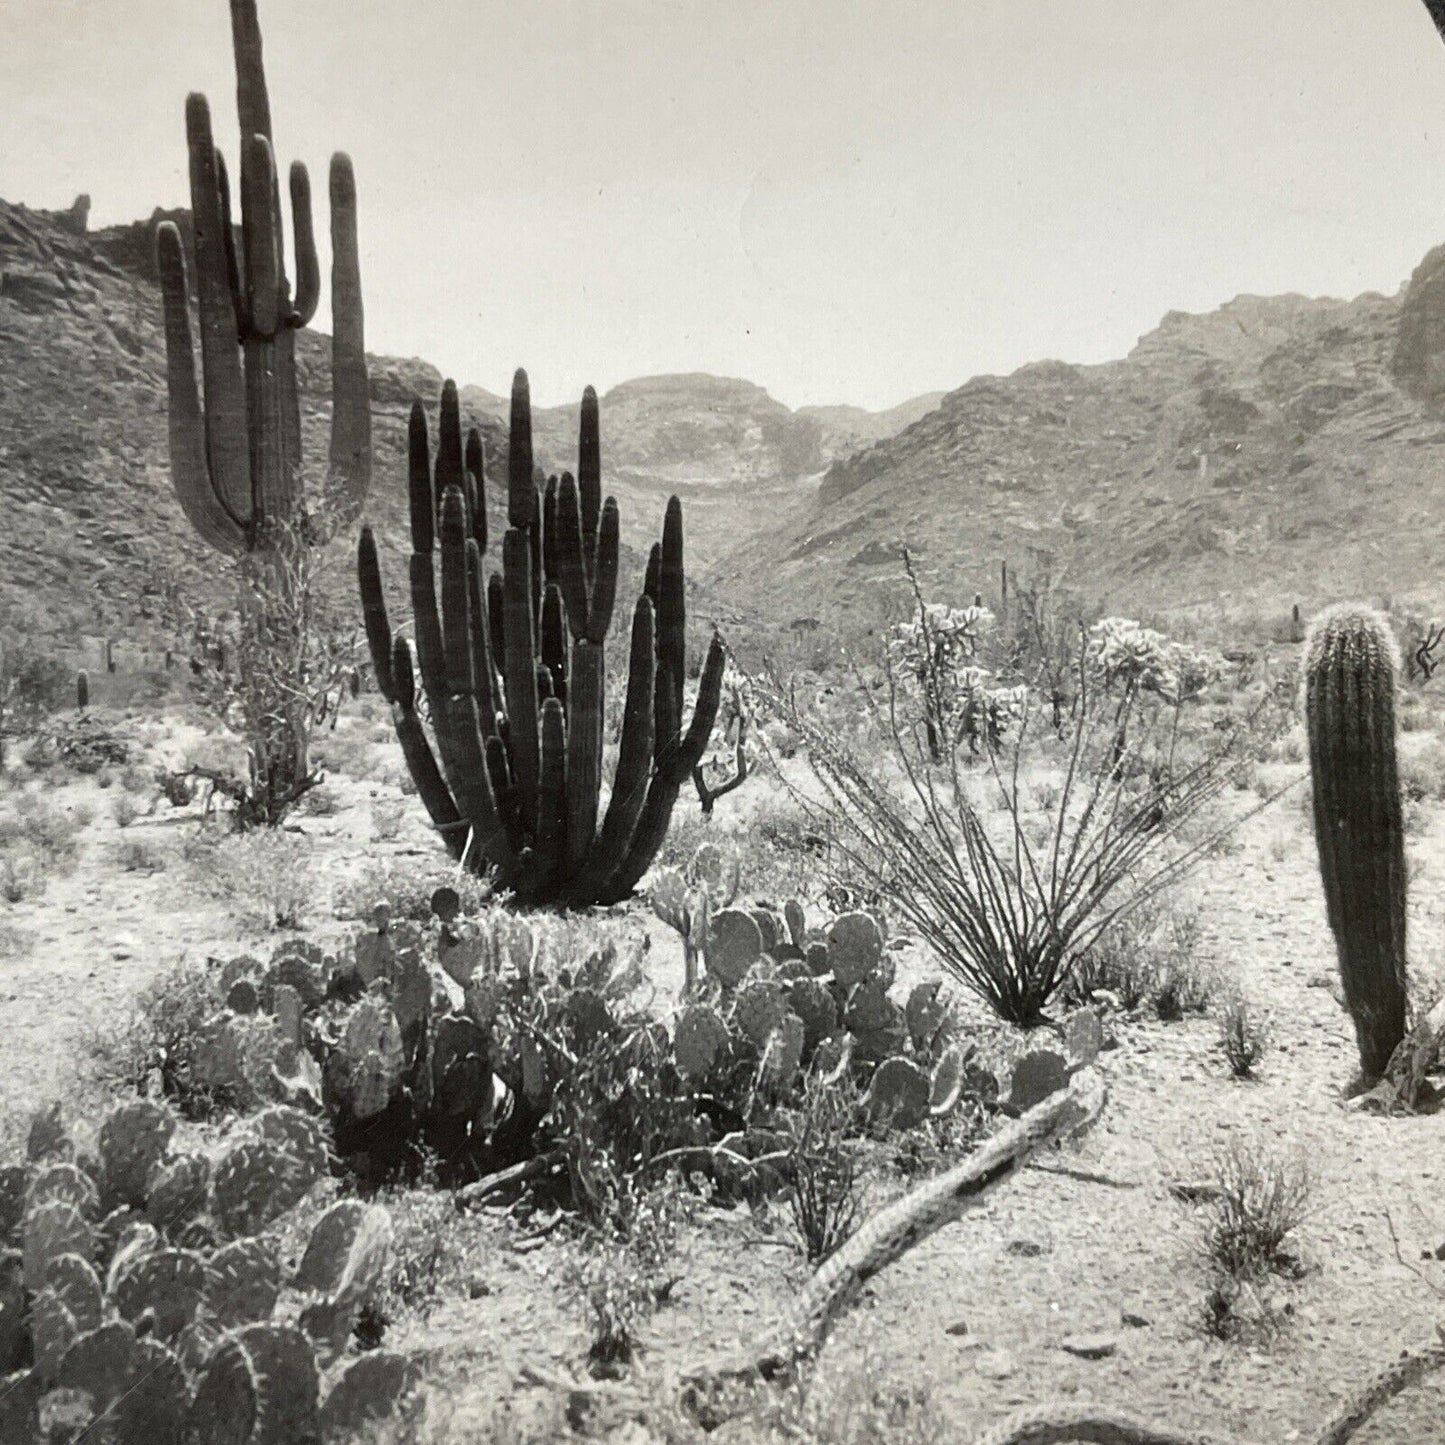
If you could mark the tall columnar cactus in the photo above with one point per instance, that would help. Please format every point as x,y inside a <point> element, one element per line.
<point>512,665</point>
<point>236,465</point>
<point>236,462</point>
<point>1350,668</point>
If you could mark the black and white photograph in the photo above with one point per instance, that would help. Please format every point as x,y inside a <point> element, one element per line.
<point>718,723</point>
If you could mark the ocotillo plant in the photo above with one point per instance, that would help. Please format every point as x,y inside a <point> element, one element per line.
<point>512,665</point>
<point>236,464</point>
<point>1350,668</point>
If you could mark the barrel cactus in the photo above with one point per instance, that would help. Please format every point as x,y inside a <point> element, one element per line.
<point>1350,668</point>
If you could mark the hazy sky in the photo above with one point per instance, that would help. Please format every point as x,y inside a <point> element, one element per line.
<point>843,200</point>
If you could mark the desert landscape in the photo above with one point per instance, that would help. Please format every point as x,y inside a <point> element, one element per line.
<point>680,917</point>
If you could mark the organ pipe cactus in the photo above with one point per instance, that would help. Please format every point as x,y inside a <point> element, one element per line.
<point>1350,668</point>
<point>512,667</point>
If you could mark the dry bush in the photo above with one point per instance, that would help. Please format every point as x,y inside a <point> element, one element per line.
<point>37,843</point>
<point>274,670</point>
<point>825,1186</point>
<point>266,880</point>
<point>125,810</point>
<point>624,1264</point>
<point>1422,773</point>
<point>140,855</point>
<point>1145,959</point>
<point>406,885</point>
<point>1010,897</point>
<point>1243,1035</point>
<point>1261,1202</point>
<point>158,1039</point>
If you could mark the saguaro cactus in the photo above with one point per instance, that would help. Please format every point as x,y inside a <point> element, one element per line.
<point>236,463</point>
<point>512,665</point>
<point>1350,668</point>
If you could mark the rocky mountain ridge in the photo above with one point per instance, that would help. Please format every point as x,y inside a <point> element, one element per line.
<point>1277,449</point>
<point>93,529</point>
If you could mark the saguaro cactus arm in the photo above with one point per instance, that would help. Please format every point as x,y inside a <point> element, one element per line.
<point>251,417</point>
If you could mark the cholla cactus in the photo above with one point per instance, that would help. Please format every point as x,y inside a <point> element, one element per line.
<point>1130,657</point>
<point>939,651</point>
<point>727,766</point>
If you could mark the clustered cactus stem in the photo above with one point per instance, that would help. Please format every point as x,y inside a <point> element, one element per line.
<point>1350,669</point>
<point>512,667</point>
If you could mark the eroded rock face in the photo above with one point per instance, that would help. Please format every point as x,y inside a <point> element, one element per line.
<point>1418,364</point>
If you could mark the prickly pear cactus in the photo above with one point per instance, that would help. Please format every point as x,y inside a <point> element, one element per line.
<point>243,1283</point>
<point>734,944</point>
<point>267,1172</point>
<point>760,1008</point>
<point>133,1139</point>
<point>700,1042</point>
<point>898,1095</point>
<point>855,948</point>
<point>1035,1077</point>
<point>369,1390</point>
<point>782,1054</point>
<point>48,1231</point>
<point>168,1284</point>
<point>813,1002</point>
<point>177,1190</point>
<point>366,1069</point>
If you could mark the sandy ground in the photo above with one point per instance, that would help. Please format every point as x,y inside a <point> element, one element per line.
<point>978,1314</point>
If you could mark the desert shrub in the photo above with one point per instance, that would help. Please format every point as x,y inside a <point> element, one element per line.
<point>624,1265</point>
<point>86,742</point>
<point>406,886</point>
<point>37,842</point>
<point>139,855</point>
<point>786,853</point>
<point>1243,1035</point>
<point>32,686</point>
<point>685,833</point>
<point>125,810</point>
<point>1145,959</point>
<point>137,779</point>
<point>1260,1203</point>
<point>273,670</point>
<point>265,880</point>
<point>1422,774</point>
<point>320,802</point>
<point>430,1253</point>
<point>1010,899</point>
<point>388,815</point>
<point>157,1043</point>
<point>825,1188</point>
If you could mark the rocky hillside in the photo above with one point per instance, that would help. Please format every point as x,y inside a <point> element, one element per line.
<point>726,447</point>
<point>91,524</point>
<point>1277,449</point>
<point>92,530</point>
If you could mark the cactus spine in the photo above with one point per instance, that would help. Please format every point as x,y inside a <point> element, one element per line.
<point>236,463</point>
<point>512,665</point>
<point>1350,669</point>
